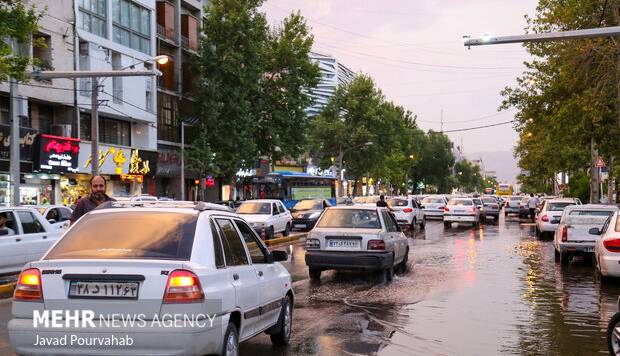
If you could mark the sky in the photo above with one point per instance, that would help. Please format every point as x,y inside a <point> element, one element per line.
<point>414,51</point>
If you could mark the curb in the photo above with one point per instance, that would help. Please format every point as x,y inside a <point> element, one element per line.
<point>281,240</point>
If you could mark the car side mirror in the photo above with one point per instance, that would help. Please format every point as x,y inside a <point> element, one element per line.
<point>594,231</point>
<point>279,256</point>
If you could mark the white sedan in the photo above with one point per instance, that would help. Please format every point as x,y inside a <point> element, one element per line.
<point>461,210</point>
<point>607,248</point>
<point>267,216</point>
<point>58,216</point>
<point>193,280</point>
<point>407,212</point>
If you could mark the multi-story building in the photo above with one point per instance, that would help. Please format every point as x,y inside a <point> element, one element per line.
<point>333,74</point>
<point>178,33</point>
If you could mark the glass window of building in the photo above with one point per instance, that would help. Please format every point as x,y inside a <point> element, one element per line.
<point>92,16</point>
<point>168,126</point>
<point>131,25</point>
<point>111,131</point>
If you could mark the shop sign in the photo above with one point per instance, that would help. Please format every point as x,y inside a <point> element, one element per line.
<point>143,162</point>
<point>210,182</point>
<point>112,160</point>
<point>57,154</point>
<point>132,177</point>
<point>26,142</point>
<point>169,163</point>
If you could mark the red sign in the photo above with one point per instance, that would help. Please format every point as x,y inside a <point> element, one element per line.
<point>210,182</point>
<point>58,154</point>
<point>600,163</point>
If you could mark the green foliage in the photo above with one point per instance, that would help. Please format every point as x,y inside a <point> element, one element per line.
<point>436,161</point>
<point>468,177</point>
<point>19,23</point>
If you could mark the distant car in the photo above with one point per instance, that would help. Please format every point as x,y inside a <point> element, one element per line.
<point>143,197</point>
<point>512,205</point>
<point>29,237</point>
<point>461,210</point>
<point>433,206</point>
<point>549,215</point>
<point>572,234</point>
<point>344,201</point>
<point>357,238</point>
<point>407,212</point>
<point>306,212</point>
<point>491,207</point>
<point>153,264</point>
<point>267,216</point>
<point>480,206</point>
<point>57,215</point>
<point>524,208</point>
<point>607,248</point>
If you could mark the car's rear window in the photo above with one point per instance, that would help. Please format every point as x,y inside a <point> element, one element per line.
<point>515,198</point>
<point>460,202</point>
<point>489,201</point>
<point>588,217</point>
<point>350,218</point>
<point>397,202</point>
<point>129,235</point>
<point>429,200</point>
<point>254,208</point>
<point>558,206</point>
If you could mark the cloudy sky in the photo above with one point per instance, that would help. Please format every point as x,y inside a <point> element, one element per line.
<point>413,49</point>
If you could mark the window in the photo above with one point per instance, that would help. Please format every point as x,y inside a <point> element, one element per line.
<point>92,16</point>
<point>10,224</point>
<point>131,25</point>
<point>233,247</point>
<point>254,208</point>
<point>217,247</point>
<point>350,218</point>
<point>168,127</point>
<point>65,214</point>
<point>30,224</point>
<point>52,215</point>
<point>117,82</point>
<point>390,224</point>
<point>111,131</point>
<point>257,251</point>
<point>46,118</point>
<point>281,208</point>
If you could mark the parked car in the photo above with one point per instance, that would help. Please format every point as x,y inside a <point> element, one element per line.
<point>306,212</point>
<point>572,234</point>
<point>480,205</point>
<point>512,205</point>
<point>433,206</point>
<point>57,215</point>
<point>27,237</point>
<point>267,216</point>
<point>613,332</point>
<point>524,208</point>
<point>491,208</point>
<point>407,212</point>
<point>461,210</point>
<point>358,238</point>
<point>194,256</point>
<point>550,214</point>
<point>607,248</point>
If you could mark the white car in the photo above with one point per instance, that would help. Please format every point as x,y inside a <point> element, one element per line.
<point>59,216</point>
<point>434,206</point>
<point>407,212</point>
<point>267,216</point>
<point>202,268</point>
<point>549,215</point>
<point>572,234</point>
<point>461,210</point>
<point>607,248</point>
<point>357,238</point>
<point>29,237</point>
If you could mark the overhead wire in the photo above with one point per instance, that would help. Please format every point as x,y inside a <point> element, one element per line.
<point>479,127</point>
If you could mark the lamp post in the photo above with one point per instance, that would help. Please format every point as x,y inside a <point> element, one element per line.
<point>340,159</point>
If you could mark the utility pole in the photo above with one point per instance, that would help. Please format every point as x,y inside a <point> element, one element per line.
<point>15,146</point>
<point>182,160</point>
<point>94,126</point>
<point>441,120</point>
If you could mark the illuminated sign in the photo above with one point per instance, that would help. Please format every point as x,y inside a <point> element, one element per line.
<point>210,182</point>
<point>143,162</point>
<point>58,154</point>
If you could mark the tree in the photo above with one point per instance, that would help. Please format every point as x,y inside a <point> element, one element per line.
<point>436,161</point>
<point>18,23</point>
<point>468,177</point>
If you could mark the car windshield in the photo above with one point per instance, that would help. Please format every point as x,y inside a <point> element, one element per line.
<point>254,208</point>
<point>460,202</point>
<point>515,198</point>
<point>397,202</point>
<point>489,201</point>
<point>129,235</point>
<point>558,206</point>
<point>309,205</point>
<point>429,200</point>
<point>350,219</point>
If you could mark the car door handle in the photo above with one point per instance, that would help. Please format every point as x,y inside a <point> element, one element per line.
<point>235,276</point>
<point>44,237</point>
<point>260,273</point>
<point>18,240</point>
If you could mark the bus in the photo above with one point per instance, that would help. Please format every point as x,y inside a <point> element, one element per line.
<point>504,189</point>
<point>290,187</point>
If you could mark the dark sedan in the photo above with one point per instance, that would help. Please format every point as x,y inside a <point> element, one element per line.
<point>306,213</point>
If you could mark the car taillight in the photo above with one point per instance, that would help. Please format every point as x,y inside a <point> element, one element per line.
<point>446,209</point>
<point>564,233</point>
<point>544,218</point>
<point>28,287</point>
<point>376,245</point>
<point>407,210</point>
<point>612,245</point>
<point>472,210</point>
<point>183,287</point>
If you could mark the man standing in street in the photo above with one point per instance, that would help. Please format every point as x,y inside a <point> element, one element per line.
<point>532,204</point>
<point>96,197</point>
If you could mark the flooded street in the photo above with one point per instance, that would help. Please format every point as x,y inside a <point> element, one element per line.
<point>492,290</point>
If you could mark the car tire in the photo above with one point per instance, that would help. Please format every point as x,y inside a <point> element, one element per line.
<point>423,224</point>
<point>314,273</point>
<point>270,233</point>
<point>413,224</point>
<point>287,230</point>
<point>283,329</point>
<point>388,274</point>
<point>613,341</point>
<point>563,258</point>
<point>556,255</point>
<point>402,266</point>
<point>538,233</point>
<point>231,341</point>
<point>447,224</point>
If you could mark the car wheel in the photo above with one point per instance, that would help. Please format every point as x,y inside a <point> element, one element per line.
<point>388,274</point>
<point>613,335</point>
<point>315,273</point>
<point>413,224</point>
<point>270,233</point>
<point>563,258</point>
<point>287,230</point>
<point>284,327</point>
<point>538,233</point>
<point>402,266</point>
<point>423,224</point>
<point>447,224</point>
<point>556,255</point>
<point>231,341</point>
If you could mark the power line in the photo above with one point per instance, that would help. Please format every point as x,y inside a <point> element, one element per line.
<point>125,102</point>
<point>470,120</point>
<point>480,127</point>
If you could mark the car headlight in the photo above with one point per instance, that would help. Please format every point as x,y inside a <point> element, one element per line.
<point>313,244</point>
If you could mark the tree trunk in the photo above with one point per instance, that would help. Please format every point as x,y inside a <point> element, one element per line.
<point>594,173</point>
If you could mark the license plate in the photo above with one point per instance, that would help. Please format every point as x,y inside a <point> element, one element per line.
<point>344,243</point>
<point>589,249</point>
<point>300,226</point>
<point>120,290</point>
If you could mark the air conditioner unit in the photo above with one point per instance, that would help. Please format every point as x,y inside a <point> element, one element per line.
<point>62,130</point>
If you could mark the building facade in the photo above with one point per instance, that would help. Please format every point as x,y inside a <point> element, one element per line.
<point>333,74</point>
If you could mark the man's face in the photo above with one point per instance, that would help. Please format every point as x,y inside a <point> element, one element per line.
<point>97,188</point>
<point>2,220</point>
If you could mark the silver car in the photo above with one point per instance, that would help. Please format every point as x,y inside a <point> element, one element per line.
<point>461,210</point>
<point>433,206</point>
<point>357,238</point>
<point>491,208</point>
<point>549,215</point>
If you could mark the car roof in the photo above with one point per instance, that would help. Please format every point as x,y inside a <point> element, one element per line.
<point>261,201</point>
<point>354,207</point>
<point>562,200</point>
<point>591,207</point>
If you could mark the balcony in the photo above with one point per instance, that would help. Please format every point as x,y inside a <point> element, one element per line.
<point>167,33</point>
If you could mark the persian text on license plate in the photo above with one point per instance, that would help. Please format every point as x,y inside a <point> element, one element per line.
<point>122,290</point>
<point>344,243</point>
